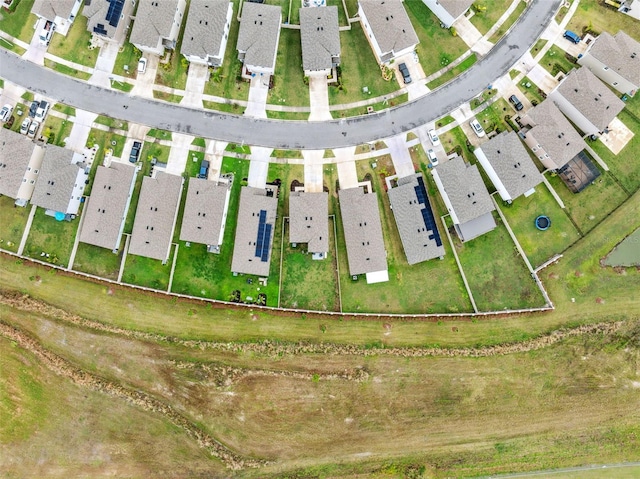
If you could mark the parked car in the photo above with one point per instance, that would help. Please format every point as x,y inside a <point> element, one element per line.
<point>204,169</point>
<point>24,128</point>
<point>434,138</point>
<point>33,108</point>
<point>517,104</point>
<point>42,111</point>
<point>142,65</point>
<point>47,32</point>
<point>572,36</point>
<point>432,157</point>
<point>135,151</point>
<point>406,76</point>
<point>33,129</point>
<point>5,113</point>
<point>477,128</point>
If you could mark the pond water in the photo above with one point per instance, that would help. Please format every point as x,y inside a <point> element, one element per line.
<point>626,253</point>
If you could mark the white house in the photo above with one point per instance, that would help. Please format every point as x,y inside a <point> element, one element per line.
<point>448,11</point>
<point>207,31</point>
<point>631,8</point>
<point>157,25</point>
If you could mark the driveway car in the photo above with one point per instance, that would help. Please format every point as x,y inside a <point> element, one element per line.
<point>517,104</point>
<point>24,128</point>
<point>47,32</point>
<point>432,157</point>
<point>42,111</point>
<point>142,65</point>
<point>572,36</point>
<point>406,76</point>
<point>204,169</point>
<point>434,138</point>
<point>135,151</point>
<point>33,108</point>
<point>5,113</point>
<point>33,129</point>
<point>477,128</point>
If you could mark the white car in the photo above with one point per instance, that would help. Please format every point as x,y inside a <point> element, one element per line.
<point>432,157</point>
<point>24,128</point>
<point>42,111</point>
<point>434,138</point>
<point>142,65</point>
<point>477,128</point>
<point>33,129</point>
<point>5,113</point>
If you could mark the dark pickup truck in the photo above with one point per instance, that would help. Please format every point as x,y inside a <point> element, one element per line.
<point>135,151</point>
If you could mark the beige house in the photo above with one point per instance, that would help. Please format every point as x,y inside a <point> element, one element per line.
<point>157,25</point>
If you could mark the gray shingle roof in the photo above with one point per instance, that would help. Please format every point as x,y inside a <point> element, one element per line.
<point>511,162</point>
<point>252,202</point>
<point>96,13</point>
<point>591,97</point>
<point>106,209</point>
<point>203,218</point>
<point>553,132</point>
<point>362,231</point>
<point>49,9</point>
<point>259,33</point>
<point>456,7</point>
<point>154,20</point>
<point>309,220</point>
<point>15,154</point>
<point>465,189</point>
<point>621,53</point>
<point>205,28</point>
<point>155,216</point>
<point>390,24</point>
<point>57,179</point>
<point>320,37</point>
<point>407,211</point>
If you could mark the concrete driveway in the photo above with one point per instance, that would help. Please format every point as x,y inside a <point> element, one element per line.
<point>506,88</point>
<point>214,154</point>
<point>179,153</point>
<point>542,79</point>
<point>36,51</point>
<point>346,165</point>
<point>82,123</point>
<point>104,64</point>
<point>400,156</point>
<point>196,80</point>
<point>144,81</point>
<point>313,174</point>
<point>258,91</point>
<point>259,167</point>
<point>136,133</point>
<point>469,34</point>
<point>12,93</point>
<point>319,98</point>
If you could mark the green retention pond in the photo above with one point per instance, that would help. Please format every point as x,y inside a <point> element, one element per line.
<point>627,253</point>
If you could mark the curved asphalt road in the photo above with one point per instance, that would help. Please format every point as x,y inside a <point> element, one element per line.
<point>287,135</point>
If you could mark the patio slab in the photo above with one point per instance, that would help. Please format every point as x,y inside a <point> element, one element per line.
<point>618,137</point>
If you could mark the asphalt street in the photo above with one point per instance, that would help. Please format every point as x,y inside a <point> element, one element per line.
<point>287,134</point>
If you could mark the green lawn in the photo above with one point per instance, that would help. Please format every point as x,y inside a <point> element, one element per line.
<point>12,222</point>
<point>537,47</point>
<point>555,61</point>
<point>127,56</point>
<point>492,118</point>
<point>52,237</point>
<point>20,23</point>
<point>160,134</point>
<point>626,164</point>
<point>75,47</point>
<point>105,141</point>
<point>538,245</point>
<point>437,45</point>
<point>444,121</point>
<point>362,110</point>
<point>287,115</point>
<point>288,81</point>
<point>532,92</point>
<point>453,72</point>
<point>508,23</point>
<point>160,95</point>
<point>112,122</point>
<point>65,70</point>
<point>592,204</point>
<point>147,272</point>
<point>59,128</point>
<point>173,73</point>
<point>488,13</point>
<point>233,108</point>
<point>122,86</point>
<point>61,107</point>
<point>497,275</point>
<point>596,16</point>
<point>98,261</point>
<point>359,69</point>
<point>456,141</point>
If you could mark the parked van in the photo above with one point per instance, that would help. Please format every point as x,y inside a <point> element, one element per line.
<point>47,32</point>
<point>572,37</point>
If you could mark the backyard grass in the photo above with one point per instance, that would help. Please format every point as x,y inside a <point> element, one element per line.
<point>592,204</point>
<point>497,275</point>
<point>19,23</point>
<point>75,47</point>
<point>65,70</point>
<point>98,261</point>
<point>597,17</point>
<point>12,222</point>
<point>437,47</point>
<point>128,57</point>
<point>52,237</point>
<point>160,95</point>
<point>453,72</point>
<point>288,81</point>
<point>531,91</point>
<point>487,13</point>
<point>555,61</point>
<point>359,69</point>
<point>148,272</point>
<point>538,245</point>
<point>112,122</point>
<point>508,23</point>
<point>59,128</point>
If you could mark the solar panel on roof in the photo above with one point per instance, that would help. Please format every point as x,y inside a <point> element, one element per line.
<point>267,238</point>
<point>99,29</point>
<point>114,12</point>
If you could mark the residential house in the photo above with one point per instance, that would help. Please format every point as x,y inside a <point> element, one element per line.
<point>615,60</point>
<point>207,31</point>
<point>109,19</point>
<point>466,198</point>
<point>157,25</point>
<point>20,163</point>
<point>309,220</point>
<point>509,166</point>
<point>320,39</point>
<point>61,182</point>
<point>156,216</point>
<point>586,101</point>
<point>106,210</point>
<point>258,37</point>
<point>388,28</point>
<point>366,253</point>
<point>60,12</point>
<point>254,230</point>
<point>448,11</point>
<point>631,8</point>
<point>414,217</point>
<point>205,213</point>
